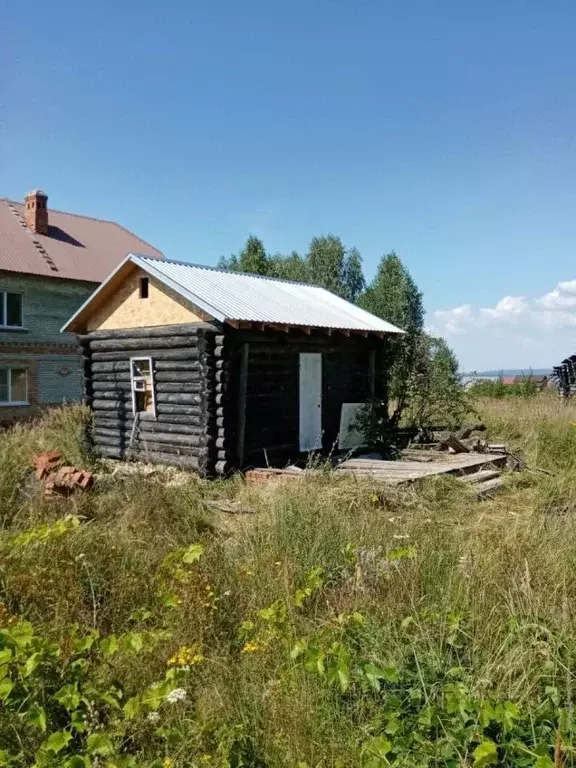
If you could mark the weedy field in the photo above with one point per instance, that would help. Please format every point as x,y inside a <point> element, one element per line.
<point>344,624</point>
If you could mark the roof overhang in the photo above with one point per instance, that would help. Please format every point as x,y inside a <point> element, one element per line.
<point>251,325</point>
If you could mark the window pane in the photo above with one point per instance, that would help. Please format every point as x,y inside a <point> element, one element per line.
<point>3,385</point>
<point>141,367</point>
<point>13,309</point>
<point>2,300</point>
<point>18,385</point>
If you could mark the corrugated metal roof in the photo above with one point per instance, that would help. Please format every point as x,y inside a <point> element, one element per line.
<point>75,248</point>
<point>238,296</point>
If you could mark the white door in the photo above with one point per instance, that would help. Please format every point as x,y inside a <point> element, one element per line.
<point>310,401</point>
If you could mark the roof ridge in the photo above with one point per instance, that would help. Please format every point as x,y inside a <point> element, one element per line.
<point>92,218</point>
<point>66,213</point>
<point>234,272</point>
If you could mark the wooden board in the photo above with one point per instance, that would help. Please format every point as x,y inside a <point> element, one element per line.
<point>396,472</point>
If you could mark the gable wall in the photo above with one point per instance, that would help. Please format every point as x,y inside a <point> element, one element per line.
<point>125,309</point>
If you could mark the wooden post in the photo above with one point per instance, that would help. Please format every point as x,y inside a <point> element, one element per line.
<point>372,388</point>
<point>242,390</point>
<point>372,375</point>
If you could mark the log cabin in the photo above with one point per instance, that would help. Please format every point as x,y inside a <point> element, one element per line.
<point>214,370</point>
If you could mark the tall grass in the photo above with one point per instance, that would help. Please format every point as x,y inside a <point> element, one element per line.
<point>343,624</point>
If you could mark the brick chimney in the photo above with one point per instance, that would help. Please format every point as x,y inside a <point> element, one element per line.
<point>36,205</point>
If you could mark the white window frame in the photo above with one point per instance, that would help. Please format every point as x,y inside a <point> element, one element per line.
<point>4,311</point>
<point>152,383</point>
<point>9,403</point>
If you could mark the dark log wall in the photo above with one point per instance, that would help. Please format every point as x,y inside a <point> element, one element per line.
<point>187,365</point>
<point>272,392</point>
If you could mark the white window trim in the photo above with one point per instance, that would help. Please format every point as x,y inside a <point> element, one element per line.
<point>9,403</point>
<point>152,383</point>
<point>4,312</point>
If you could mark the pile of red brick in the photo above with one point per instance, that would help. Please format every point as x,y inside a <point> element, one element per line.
<point>60,480</point>
<point>267,474</point>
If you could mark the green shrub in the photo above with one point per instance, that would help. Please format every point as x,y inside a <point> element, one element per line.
<point>525,388</point>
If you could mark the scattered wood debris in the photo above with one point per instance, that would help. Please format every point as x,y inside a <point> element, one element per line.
<point>230,507</point>
<point>60,480</point>
<point>454,445</point>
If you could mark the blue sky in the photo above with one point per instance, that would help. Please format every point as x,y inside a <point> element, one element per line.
<point>443,130</point>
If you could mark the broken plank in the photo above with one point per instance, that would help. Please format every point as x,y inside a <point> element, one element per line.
<point>230,507</point>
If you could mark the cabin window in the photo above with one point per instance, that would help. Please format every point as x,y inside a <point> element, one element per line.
<point>13,386</point>
<point>10,310</point>
<point>142,381</point>
<point>143,287</point>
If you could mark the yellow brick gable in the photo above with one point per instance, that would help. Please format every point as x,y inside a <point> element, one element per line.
<point>125,309</point>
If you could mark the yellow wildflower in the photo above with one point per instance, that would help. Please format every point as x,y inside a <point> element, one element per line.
<point>167,763</point>
<point>185,656</point>
<point>254,647</point>
<point>6,618</point>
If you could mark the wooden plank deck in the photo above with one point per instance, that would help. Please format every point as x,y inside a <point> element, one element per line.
<point>396,472</point>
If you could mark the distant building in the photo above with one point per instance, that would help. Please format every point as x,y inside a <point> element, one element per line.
<point>540,380</point>
<point>50,262</point>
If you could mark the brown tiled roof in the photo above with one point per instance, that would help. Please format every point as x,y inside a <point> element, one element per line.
<point>76,247</point>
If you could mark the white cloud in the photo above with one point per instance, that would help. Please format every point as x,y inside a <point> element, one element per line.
<point>508,309</point>
<point>542,328</point>
<point>454,320</point>
<point>562,297</point>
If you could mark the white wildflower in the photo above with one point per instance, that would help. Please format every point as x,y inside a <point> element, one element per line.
<point>391,519</point>
<point>227,593</point>
<point>401,536</point>
<point>178,694</point>
<point>153,717</point>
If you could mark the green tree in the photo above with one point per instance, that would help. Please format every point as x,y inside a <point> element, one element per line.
<point>353,276</point>
<point>330,265</point>
<point>394,296</point>
<point>437,395</point>
<point>252,259</point>
<point>228,262</point>
<point>291,267</point>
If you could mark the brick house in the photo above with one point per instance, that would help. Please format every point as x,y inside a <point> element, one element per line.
<point>50,262</point>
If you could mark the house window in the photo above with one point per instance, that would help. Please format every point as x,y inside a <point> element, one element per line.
<point>10,310</point>
<point>142,381</point>
<point>13,386</point>
<point>143,287</point>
